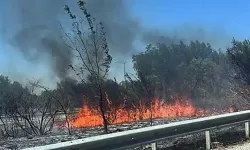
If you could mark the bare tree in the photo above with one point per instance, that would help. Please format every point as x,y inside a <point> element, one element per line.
<point>62,103</point>
<point>88,41</point>
<point>27,111</point>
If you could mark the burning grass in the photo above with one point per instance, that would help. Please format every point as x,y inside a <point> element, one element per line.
<point>181,107</point>
<point>90,117</point>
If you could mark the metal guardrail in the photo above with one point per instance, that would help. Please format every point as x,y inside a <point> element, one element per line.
<point>132,138</point>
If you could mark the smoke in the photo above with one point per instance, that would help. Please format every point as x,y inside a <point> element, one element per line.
<point>37,34</point>
<point>217,37</point>
<point>122,29</point>
<point>36,44</point>
<point>32,28</point>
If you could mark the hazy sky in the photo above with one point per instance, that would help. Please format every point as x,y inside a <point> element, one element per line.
<point>229,15</point>
<point>214,21</point>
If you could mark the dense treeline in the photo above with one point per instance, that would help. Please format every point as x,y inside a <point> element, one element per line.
<point>194,68</point>
<point>162,71</point>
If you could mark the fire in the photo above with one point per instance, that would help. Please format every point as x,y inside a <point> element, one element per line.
<point>89,117</point>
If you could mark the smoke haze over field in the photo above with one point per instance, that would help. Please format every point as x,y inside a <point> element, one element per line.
<point>31,35</point>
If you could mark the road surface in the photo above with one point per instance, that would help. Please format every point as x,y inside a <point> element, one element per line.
<point>245,146</point>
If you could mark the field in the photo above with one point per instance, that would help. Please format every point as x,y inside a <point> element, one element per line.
<point>196,141</point>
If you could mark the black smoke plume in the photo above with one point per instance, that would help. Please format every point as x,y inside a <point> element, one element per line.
<point>32,27</point>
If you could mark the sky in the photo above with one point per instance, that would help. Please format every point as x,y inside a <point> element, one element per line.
<point>229,15</point>
<point>215,21</point>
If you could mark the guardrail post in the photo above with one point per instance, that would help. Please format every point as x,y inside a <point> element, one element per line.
<point>247,129</point>
<point>154,146</point>
<point>208,140</point>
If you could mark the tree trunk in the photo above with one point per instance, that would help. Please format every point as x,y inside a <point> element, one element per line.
<point>151,115</point>
<point>101,102</point>
<point>68,123</point>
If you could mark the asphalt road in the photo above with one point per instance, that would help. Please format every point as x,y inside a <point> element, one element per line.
<point>245,146</point>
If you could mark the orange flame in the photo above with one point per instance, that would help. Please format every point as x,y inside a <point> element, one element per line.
<point>89,117</point>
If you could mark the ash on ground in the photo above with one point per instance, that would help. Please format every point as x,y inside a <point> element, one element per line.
<point>220,137</point>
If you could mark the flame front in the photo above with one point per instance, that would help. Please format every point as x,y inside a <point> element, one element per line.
<point>89,117</point>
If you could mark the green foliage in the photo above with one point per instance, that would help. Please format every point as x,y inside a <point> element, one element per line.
<point>239,55</point>
<point>183,68</point>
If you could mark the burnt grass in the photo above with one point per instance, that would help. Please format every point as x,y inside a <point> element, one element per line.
<point>221,137</point>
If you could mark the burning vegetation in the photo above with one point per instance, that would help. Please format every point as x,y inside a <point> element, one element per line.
<point>214,80</point>
<point>89,116</point>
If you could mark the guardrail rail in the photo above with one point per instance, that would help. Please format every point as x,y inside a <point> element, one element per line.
<point>147,135</point>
